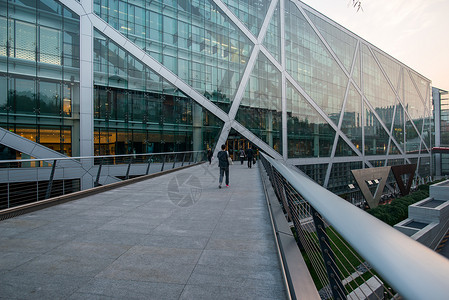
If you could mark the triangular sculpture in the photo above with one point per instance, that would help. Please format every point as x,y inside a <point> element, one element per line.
<point>400,170</point>
<point>363,176</point>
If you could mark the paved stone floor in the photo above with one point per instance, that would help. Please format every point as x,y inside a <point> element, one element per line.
<point>172,237</point>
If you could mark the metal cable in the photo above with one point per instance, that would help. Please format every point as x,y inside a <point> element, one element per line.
<point>297,210</point>
<point>311,247</point>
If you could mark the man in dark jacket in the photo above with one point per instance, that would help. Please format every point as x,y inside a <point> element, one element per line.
<point>223,164</point>
<point>209,155</point>
<point>250,156</point>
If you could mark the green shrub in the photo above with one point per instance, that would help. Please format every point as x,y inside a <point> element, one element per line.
<point>397,210</point>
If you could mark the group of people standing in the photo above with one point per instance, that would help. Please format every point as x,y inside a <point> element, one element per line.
<point>224,161</point>
<point>249,155</point>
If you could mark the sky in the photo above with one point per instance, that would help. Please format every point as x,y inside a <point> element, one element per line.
<point>415,32</point>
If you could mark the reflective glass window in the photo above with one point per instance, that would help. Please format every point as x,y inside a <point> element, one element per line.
<point>309,135</point>
<point>49,98</point>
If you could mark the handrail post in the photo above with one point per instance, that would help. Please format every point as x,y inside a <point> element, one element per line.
<point>148,166</point>
<point>190,159</point>
<point>50,182</point>
<point>163,163</point>
<point>174,161</point>
<point>129,167</point>
<point>183,158</point>
<point>8,194</point>
<point>333,275</point>
<point>96,183</point>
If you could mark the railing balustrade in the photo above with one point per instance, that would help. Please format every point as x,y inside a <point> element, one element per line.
<point>30,180</point>
<point>353,255</point>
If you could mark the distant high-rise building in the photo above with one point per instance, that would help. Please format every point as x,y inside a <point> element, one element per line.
<point>95,77</point>
<point>441,117</point>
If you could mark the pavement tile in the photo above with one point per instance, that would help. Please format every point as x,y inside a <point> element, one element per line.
<point>153,271</point>
<point>136,242</point>
<point>93,250</point>
<point>28,245</point>
<point>103,288</point>
<point>31,285</point>
<point>173,241</point>
<point>65,265</point>
<point>11,260</point>
<point>207,292</point>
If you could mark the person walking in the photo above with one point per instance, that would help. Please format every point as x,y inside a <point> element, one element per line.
<point>209,155</point>
<point>250,156</point>
<point>223,164</point>
<point>242,156</point>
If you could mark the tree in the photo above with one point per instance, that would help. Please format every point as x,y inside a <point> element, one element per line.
<point>357,4</point>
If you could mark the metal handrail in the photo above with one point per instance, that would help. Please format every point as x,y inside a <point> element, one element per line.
<point>412,269</point>
<point>98,156</point>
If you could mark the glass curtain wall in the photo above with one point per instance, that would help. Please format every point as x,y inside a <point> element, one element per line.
<point>193,39</point>
<point>39,71</point>
<point>136,111</point>
<point>343,96</point>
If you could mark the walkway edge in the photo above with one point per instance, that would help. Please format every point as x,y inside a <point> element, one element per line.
<point>30,207</point>
<point>297,279</point>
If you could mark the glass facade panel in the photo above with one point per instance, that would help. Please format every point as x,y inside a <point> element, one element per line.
<point>316,172</point>
<point>3,32</point>
<point>260,109</point>
<point>4,107</point>
<point>272,40</point>
<point>412,140</point>
<point>133,102</point>
<point>398,125</point>
<point>23,95</point>
<point>422,86</point>
<point>393,149</point>
<point>193,39</point>
<point>25,40</point>
<point>311,65</point>
<point>309,135</point>
<point>427,132</point>
<point>39,71</point>
<point>412,101</point>
<point>341,43</point>
<point>50,41</point>
<point>250,12</point>
<point>49,98</point>
<point>376,88</point>
<point>341,176</point>
<point>424,167</point>
<point>57,138</point>
<point>390,67</point>
<point>424,149</point>
<point>351,124</point>
<point>376,138</point>
<point>343,149</point>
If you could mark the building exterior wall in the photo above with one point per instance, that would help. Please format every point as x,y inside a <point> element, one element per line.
<point>440,100</point>
<point>115,77</point>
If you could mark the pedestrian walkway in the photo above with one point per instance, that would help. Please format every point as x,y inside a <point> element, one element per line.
<point>176,236</point>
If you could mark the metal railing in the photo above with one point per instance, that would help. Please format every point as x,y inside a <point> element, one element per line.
<point>30,180</point>
<point>352,254</point>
